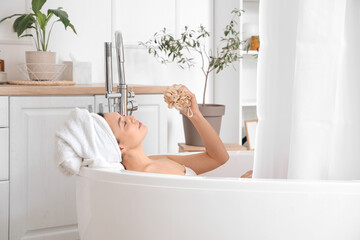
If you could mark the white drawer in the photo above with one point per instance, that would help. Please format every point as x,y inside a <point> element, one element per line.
<point>4,210</point>
<point>4,111</point>
<point>4,154</point>
<point>101,104</point>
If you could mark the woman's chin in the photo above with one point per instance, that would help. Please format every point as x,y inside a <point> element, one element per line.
<point>145,129</point>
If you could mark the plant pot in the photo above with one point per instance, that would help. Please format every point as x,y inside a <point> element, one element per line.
<point>212,113</point>
<point>41,65</point>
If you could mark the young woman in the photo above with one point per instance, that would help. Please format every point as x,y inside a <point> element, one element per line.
<point>130,133</point>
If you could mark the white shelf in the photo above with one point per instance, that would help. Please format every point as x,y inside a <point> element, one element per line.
<point>248,103</point>
<point>250,52</point>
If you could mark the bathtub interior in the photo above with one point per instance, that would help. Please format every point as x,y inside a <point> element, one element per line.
<point>239,163</point>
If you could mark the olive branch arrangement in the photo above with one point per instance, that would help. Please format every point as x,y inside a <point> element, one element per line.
<point>166,48</point>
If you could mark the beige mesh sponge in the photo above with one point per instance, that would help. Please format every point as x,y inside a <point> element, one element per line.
<point>177,98</point>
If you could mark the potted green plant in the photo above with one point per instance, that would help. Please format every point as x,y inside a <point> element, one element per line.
<point>166,48</point>
<point>36,22</point>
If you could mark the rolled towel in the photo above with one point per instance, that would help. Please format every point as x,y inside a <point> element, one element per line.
<point>86,139</point>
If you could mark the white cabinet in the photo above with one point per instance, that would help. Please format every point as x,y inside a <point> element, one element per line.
<point>4,111</point>
<point>152,113</point>
<point>4,138</point>
<point>4,154</point>
<point>4,210</point>
<point>4,168</point>
<point>249,25</point>
<point>42,200</point>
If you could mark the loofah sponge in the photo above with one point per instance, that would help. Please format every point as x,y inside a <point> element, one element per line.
<point>176,97</point>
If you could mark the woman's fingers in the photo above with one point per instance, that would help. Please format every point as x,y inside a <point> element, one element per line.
<point>192,106</point>
<point>248,174</point>
<point>184,90</point>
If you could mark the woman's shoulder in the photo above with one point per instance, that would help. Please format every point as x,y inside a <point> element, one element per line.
<point>166,166</point>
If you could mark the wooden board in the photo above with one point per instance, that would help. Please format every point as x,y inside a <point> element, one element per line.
<point>229,147</point>
<point>77,89</point>
<point>42,83</point>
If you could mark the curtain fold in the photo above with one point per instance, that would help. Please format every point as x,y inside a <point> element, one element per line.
<point>308,90</point>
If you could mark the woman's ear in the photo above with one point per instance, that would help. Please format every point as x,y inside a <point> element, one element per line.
<point>122,148</point>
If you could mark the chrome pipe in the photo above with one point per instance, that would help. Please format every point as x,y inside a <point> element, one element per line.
<point>108,67</point>
<point>123,89</point>
<point>109,74</point>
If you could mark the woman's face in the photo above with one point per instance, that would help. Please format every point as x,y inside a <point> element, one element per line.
<point>128,131</point>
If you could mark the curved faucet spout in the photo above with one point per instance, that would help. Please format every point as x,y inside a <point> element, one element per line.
<point>120,57</point>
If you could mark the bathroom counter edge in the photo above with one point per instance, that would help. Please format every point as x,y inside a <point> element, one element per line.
<point>77,89</point>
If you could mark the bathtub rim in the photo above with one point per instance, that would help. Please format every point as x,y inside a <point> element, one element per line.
<point>126,177</point>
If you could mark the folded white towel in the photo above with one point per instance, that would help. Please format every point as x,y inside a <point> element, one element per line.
<point>86,140</point>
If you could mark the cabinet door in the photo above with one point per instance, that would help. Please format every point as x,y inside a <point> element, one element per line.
<point>4,154</point>
<point>4,210</point>
<point>152,113</point>
<point>4,109</point>
<point>42,200</point>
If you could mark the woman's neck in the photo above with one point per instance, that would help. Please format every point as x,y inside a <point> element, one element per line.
<point>135,159</point>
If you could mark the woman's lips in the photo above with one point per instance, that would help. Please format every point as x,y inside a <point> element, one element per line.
<point>140,124</point>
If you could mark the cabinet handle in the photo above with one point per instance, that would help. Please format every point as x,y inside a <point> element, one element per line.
<point>101,108</point>
<point>90,108</point>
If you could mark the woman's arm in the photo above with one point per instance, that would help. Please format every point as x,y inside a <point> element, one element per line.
<point>215,154</point>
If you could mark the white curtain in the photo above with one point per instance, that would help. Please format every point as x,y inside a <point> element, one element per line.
<point>309,90</point>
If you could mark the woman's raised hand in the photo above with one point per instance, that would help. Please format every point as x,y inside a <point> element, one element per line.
<point>183,90</point>
<point>180,97</point>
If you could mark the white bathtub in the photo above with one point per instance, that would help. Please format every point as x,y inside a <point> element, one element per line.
<point>130,205</point>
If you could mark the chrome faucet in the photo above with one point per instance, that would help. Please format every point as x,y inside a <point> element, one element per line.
<point>119,100</point>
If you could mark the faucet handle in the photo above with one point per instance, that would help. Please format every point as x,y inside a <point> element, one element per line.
<point>132,106</point>
<point>131,94</point>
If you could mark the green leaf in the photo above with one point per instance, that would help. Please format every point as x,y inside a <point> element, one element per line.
<point>37,5</point>
<point>41,18</point>
<point>22,23</point>
<point>63,16</point>
<point>72,27</point>
<point>26,35</point>
<point>10,17</point>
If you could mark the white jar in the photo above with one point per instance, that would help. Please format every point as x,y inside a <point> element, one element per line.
<point>3,78</point>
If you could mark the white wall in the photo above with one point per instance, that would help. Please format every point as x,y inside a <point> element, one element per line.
<point>91,20</point>
<point>226,84</point>
<point>138,19</point>
<point>11,48</point>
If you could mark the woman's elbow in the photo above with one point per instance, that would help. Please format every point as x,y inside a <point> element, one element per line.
<point>224,158</point>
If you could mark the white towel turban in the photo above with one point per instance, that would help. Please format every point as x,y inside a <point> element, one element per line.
<point>86,140</point>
